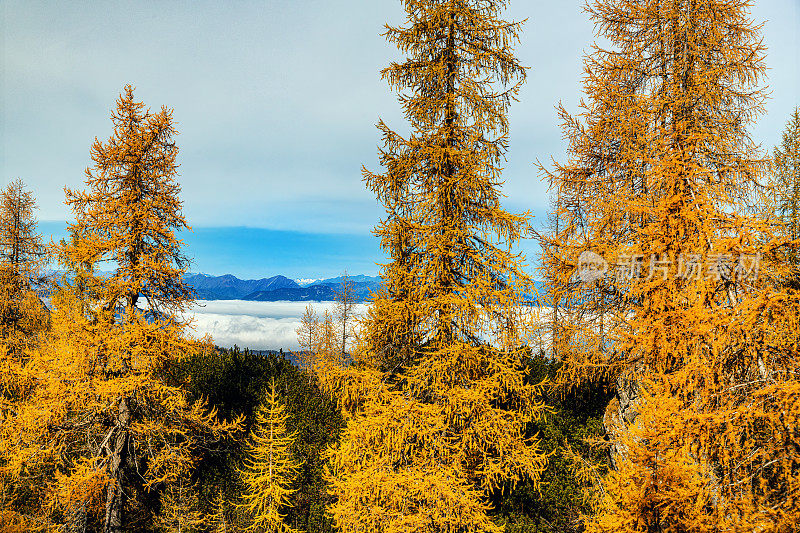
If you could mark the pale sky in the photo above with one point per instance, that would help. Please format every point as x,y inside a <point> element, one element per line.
<point>276,101</point>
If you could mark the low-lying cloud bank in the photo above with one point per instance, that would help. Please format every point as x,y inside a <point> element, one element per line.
<point>256,325</point>
<point>273,325</point>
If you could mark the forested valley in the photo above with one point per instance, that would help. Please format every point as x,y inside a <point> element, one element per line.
<point>647,381</point>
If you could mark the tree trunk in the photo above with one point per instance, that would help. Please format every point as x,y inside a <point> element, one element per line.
<point>116,497</point>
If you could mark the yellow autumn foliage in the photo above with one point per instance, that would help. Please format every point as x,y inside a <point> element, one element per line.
<point>100,427</point>
<point>23,315</point>
<point>434,390</point>
<point>269,469</point>
<point>667,274</point>
<point>786,187</point>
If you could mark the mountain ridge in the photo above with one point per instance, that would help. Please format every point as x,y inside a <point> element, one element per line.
<point>276,288</point>
<point>229,287</point>
<point>281,288</point>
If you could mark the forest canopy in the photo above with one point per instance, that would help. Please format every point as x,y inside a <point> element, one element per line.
<point>651,385</point>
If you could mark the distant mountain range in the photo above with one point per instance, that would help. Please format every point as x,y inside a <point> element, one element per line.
<point>276,288</point>
<point>281,288</point>
<point>229,287</point>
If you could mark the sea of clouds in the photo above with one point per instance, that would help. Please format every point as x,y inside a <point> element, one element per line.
<point>255,325</point>
<point>273,325</point>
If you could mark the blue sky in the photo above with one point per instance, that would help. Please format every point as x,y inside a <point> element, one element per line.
<point>276,104</point>
<point>251,253</point>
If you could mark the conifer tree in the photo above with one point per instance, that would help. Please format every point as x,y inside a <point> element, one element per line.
<point>22,256</point>
<point>102,432</point>
<point>435,390</point>
<point>23,316</point>
<point>129,215</point>
<point>306,332</point>
<point>345,310</point>
<point>307,335</point>
<point>180,512</point>
<point>326,359</point>
<point>677,308</point>
<point>131,211</point>
<point>269,469</point>
<point>787,185</point>
<point>24,320</point>
<point>20,243</point>
<point>220,520</point>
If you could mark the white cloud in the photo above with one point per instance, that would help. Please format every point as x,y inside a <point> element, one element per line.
<point>256,325</point>
<point>258,333</point>
<point>273,325</point>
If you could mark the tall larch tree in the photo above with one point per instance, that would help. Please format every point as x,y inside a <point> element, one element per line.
<point>20,242</point>
<point>269,468</point>
<point>435,390</point>
<point>24,320</point>
<point>22,258</point>
<point>663,269</point>
<point>787,186</point>
<point>104,432</point>
<point>131,212</point>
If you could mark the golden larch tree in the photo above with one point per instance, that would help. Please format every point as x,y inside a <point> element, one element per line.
<point>131,210</point>
<point>129,215</point>
<point>435,392</point>
<point>307,336</point>
<point>223,517</point>
<point>662,268</point>
<point>22,258</point>
<point>307,330</point>
<point>20,242</point>
<point>24,320</point>
<point>787,186</point>
<point>269,468</point>
<point>325,360</point>
<point>180,510</point>
<point>104,432</point>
